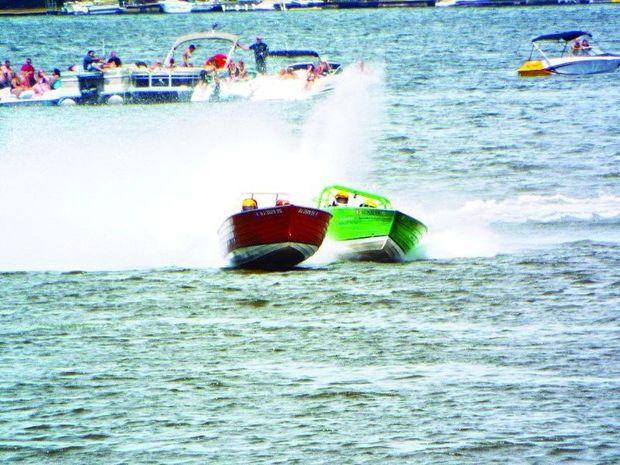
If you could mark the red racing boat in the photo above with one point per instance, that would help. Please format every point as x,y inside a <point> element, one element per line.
<point>272,238</point>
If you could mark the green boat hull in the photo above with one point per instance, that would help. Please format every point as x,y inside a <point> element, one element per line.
<point>374,233</point>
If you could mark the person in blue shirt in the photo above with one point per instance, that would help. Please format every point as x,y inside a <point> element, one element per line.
<point>91,62</point>
<point>261,51</point>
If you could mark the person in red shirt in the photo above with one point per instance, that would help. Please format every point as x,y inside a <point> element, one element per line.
<point>28,73</point>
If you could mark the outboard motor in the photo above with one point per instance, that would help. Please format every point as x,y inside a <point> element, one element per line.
<point>91,86</point>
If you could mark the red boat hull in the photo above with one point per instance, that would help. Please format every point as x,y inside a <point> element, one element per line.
<point>273,238</point>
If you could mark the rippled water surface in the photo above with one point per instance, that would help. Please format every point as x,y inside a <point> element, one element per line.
<point>124,341</point>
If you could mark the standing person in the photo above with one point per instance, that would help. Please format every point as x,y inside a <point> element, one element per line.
<point>261,51</point>
<point>28,73</point>
<point>187,55</point>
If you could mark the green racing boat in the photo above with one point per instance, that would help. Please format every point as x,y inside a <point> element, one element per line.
<point>367,227</point>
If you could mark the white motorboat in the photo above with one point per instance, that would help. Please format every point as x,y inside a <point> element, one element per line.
<point>74,8</point>
<point>577,56</point>
<point>91,8</point>
<point>175,6</point>
<point>294,76</point>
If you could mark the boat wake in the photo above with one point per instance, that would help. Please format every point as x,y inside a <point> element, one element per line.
<point>95,190</point>
<point>485,228</point>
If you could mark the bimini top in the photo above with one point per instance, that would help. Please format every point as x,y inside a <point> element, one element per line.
<point>566,36</point>
<point>377,201</point>
<point>197,36</point>
<point>293,53</point>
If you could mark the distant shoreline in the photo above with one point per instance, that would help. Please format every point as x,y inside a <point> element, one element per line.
<point>346,4</point>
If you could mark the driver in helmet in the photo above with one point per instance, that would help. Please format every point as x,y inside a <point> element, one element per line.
<point>249,204</point>
<point>341,199</point>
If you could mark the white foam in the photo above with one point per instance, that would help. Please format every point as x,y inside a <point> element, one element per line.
<point>140,187</point>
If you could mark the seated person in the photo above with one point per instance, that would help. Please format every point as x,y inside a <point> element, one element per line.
<point>576,47</point>
<point>310,76</point>
<point>114,61</point>
<point>287,73</point>
<point>341,199</point>
<point>91,62</point>
<point>55,81</point>
<point>6,74</point>
<point>369,203</point>
<point>324,68</point>
<point>282,203</point>
<point>18,86</point>
<point>585,47</point>
<point>249,204</point>
<point>42,83</point>
<point>243,71</point>
<point>233,70</point>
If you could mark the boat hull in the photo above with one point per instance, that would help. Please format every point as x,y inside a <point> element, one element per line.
<point>374,234</point>
<point>571,66</point>
<point>175,7</point>
<point>594,65</point>
<point>273,238</point>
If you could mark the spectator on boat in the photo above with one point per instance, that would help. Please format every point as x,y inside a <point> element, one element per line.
<point>187,55</point>
<point>324,68</point>
<point>6,74</point>
<point>576,47</point>
<point>242,70</point>
<point>217,61</point>
<point>114,61</point>
<point>310,76</point>
<point>55,81</point>
<point>27,71</point>
<point>233,71</point>
<point>27,66</point>
<point>261,51</point>
<point>249,204</point>
<point>287,73</point>
<point>91,62</point>
<point>585,47</point>
<point>42,83</point>
<point>18,85</point>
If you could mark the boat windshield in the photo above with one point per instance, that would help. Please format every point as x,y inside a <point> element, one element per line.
<point>337,195</point>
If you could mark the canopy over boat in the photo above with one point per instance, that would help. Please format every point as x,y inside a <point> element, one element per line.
<point>328,194</point>
<point>198,36</point>
<point>566,36</point>
<point>293,53</point>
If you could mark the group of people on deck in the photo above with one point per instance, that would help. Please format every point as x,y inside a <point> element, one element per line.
<point>28,79</point>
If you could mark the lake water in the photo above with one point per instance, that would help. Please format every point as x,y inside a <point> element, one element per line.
<point>123,341</point>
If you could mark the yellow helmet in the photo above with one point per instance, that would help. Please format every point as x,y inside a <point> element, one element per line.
<point>341,195</point>
<point>249,204</point>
